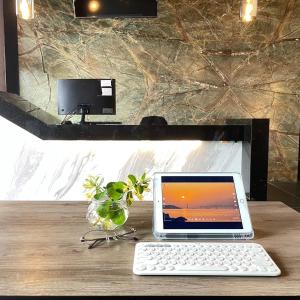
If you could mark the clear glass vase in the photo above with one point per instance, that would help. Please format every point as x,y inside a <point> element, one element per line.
<point>107,215</point>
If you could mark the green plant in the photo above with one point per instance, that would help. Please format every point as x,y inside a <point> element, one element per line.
<point>115,197</point>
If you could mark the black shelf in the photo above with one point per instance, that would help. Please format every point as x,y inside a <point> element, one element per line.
<point>142,132</point>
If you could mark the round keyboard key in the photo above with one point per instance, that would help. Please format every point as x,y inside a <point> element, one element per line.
<point>262,268</point>
<point>253,268</point>
<point>161,268</point>
<point>259,250</point>
<point>151,268</point>
<point>153,262</point>
<point>170,268</point>
<point>272,269</point>
<point>141,268</point>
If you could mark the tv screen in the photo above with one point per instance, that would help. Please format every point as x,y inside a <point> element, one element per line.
<point>115,8</point>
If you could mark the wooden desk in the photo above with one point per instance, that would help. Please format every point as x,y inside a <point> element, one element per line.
<point>40,254</point>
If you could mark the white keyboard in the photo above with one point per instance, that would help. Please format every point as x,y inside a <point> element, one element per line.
<point>223,259</point>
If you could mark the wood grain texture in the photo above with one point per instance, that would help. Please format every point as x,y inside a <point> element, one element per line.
<point>40,254</point>
<point>2,51</point>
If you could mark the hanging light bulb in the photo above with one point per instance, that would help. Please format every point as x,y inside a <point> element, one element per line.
<point>248,10</point>
<point>25,9</point>
<point>94,6</point>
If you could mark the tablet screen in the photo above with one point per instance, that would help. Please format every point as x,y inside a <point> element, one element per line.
<point>200,202</point>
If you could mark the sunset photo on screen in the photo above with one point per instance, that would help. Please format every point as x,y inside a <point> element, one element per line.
<point>200,202</point>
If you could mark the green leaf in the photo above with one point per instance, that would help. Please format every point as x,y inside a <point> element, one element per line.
<point>88,184</point>
<point>104,209</point>
<point>133,179</point>
<point>140,189</point>
<point>118,216</point>
<point>143,176</point>
<point>129,199</point>
<point>100,195</point>
<point>140,197</point>
<point>116,190</point>
<point>93,182</point>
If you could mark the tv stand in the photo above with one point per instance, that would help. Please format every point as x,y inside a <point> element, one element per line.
<point>84,110</point>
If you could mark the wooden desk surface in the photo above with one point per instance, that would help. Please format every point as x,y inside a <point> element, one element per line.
<point>40,254</point>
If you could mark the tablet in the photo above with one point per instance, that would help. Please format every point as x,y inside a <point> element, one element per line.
<point>200,205</point>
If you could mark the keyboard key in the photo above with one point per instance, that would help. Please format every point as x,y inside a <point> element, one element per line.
<point>153,262</point>
<point>253,268</point>
<point>141,267</point>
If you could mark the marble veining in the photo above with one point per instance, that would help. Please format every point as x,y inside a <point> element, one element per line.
<point>33,169</point>
<point>195,63</point>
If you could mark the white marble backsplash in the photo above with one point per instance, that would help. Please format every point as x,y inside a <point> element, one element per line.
<point>32,169</point>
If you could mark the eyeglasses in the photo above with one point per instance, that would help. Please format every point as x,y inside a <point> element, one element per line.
<point>98,237</point>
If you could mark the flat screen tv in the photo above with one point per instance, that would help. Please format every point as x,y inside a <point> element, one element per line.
<point>115,8</point>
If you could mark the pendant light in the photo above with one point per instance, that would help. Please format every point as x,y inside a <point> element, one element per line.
<point>25,9</point>
<point>248,10</point>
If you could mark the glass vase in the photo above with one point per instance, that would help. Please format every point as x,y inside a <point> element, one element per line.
<point>107,215</point>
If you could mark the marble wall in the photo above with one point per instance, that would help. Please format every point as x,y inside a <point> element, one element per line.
<point>193,64</point>
<point>32,169</point>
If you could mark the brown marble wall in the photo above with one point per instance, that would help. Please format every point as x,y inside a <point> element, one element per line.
<point>195,63</point>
